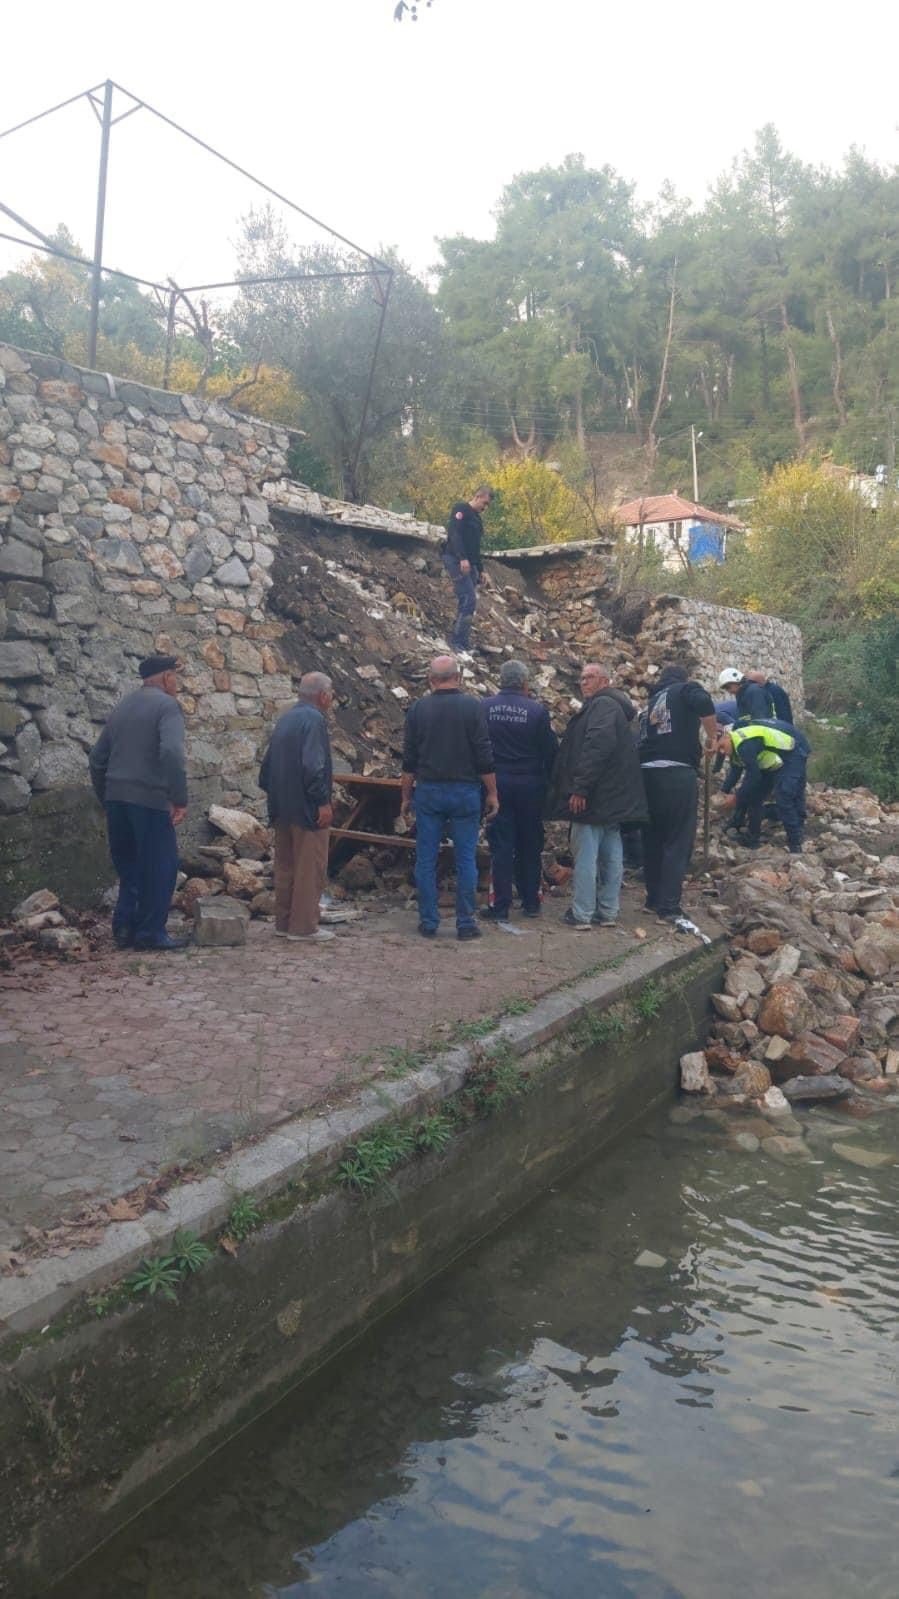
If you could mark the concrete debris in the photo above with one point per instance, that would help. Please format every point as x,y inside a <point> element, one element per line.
<point>694,1074</point>
<point>220,921</point>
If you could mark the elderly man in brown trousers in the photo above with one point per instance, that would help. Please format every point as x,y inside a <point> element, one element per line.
<point>296,777</point>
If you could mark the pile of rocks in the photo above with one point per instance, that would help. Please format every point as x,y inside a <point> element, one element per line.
<point>40,920</point>
<point>809,1007</point>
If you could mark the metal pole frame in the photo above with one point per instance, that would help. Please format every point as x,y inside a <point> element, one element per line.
<point>97,269</point>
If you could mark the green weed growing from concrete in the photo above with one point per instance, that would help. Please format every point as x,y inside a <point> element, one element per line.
<point>649,1001</point>
<point>243,1217</point>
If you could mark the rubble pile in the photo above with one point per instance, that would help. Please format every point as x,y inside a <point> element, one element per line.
<point>809,1007</point>
<point>41,924</point>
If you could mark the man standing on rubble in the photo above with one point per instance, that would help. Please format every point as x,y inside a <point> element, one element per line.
<point>138,771</point>
<point>446,758</point>
<point>462,560</point>
<point>670,754</point>
<point>524,748</point>
<point>296,777</point>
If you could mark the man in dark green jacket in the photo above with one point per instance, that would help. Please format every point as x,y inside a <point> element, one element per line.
<point>596,786</point>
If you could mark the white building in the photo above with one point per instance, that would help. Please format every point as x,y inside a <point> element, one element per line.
<point>683,533</point>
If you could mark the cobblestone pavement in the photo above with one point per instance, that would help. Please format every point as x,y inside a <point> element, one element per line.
<point>113,1070</point>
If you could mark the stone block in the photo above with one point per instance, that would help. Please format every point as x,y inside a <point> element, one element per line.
<point>220,921</point>
<point>26,596</point>
<point>19,659</point>
<point>14,793</point>
<point>694,1074</point>
<point>121,555</point>
<point>20,560</point>
<point>68,576</point>
<point>36,904</point>
<point>809,1089</point>
<point>233,574</point>
<point>60,765</point>
<point>62,940</point>
<point>785,1009</point>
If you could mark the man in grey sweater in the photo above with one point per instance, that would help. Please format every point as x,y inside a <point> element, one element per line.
<point>296,776</point>
<point>139,776</point>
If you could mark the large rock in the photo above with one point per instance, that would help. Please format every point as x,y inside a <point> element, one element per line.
<point>240,880</point>
<point>753,1080</point>
<point>234,823</point>
<point>785,1009</point>
<point>877,951</point>
<point>20,560</point>
<point>60,765</point>
<point>842,1032</point>
<point>811,1055</point>
<point>784,963</point>
<point>41,900</point>
<point>220,921</point>
<point>813,1088</point>
<point>868,1158</point>
<point>694,1074</point>
<point>358,873</point>
<point>744,978</point>
<point>14,793</point>
<point>18,660</point>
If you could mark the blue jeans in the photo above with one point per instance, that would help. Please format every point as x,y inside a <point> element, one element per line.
<point>453,808</point>
<point>466,602</point>
<point>598,870</point>
<point>144,852</point>
<point>515,837</point>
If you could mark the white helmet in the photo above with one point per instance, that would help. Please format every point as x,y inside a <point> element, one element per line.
<point>730,677</point>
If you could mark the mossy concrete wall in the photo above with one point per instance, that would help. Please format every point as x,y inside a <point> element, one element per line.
<point>98,1416</point>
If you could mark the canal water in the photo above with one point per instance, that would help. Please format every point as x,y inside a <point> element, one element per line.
<point>673,1377</point>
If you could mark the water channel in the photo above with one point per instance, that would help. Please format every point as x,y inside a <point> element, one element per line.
<point>672,1377</point>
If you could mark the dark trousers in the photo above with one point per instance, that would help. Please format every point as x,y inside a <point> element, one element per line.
<point>144,852</point>
<point>466,602</point>
<point>515,837</point>
<point>672,797</point>
<point>789,797</point>
<point>751,811</point>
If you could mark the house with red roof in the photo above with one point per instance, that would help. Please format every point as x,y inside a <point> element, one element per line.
<point>682,531</point>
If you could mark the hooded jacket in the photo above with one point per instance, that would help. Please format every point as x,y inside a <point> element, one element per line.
<point>598,758</point>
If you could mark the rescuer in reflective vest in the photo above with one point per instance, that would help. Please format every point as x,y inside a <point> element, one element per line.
<point>771,756</point>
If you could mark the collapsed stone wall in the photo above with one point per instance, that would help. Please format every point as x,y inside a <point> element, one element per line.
<point>133,520</point>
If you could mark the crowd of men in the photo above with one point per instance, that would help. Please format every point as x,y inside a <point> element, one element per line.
<point>627,784</point>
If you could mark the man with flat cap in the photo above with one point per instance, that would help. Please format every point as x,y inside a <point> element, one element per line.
<point>139,776</point>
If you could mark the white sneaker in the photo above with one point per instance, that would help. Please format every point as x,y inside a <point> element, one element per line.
<point>320,936</point>
<point>280,932</point>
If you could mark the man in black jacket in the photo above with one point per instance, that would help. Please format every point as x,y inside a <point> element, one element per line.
<point>446,758</point>
<point>596,785</point>
<point>524,748</point>
<point>462,560</point>
<point>670,755</point>
<point>296,776</point>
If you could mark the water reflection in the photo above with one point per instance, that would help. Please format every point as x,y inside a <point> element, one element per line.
<point>553,1418</point>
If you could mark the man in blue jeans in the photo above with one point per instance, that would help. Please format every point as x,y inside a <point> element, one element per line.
<point>596,785</point>
<point>139,776</point>
<point>462,561</point>
<point>446,758</point>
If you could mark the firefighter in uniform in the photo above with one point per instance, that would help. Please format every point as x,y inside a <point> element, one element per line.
<point>768,757</point>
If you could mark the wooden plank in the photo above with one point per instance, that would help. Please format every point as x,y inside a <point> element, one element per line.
<point>355,781</point>
<point>373,838</point>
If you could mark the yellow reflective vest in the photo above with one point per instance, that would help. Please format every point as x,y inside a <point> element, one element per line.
<point>774,740</point>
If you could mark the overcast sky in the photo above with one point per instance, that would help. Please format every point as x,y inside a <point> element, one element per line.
<point>395,134</point>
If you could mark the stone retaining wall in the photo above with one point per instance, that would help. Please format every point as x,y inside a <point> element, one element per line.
<point>134,520</point>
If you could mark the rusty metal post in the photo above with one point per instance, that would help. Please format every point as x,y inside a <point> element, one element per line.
<point>97,271</point>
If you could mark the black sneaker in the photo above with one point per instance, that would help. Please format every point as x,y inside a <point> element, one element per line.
<point>491,914</point>
<point>426,931</point>
<point>123,937</point>
<point>466,933</point>
<point>533,910</point>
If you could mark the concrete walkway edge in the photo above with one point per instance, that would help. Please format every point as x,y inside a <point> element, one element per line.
<point>310,1144</point>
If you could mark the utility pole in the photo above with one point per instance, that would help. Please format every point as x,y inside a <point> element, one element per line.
<point>97,273</point>
<point>695,469</point>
